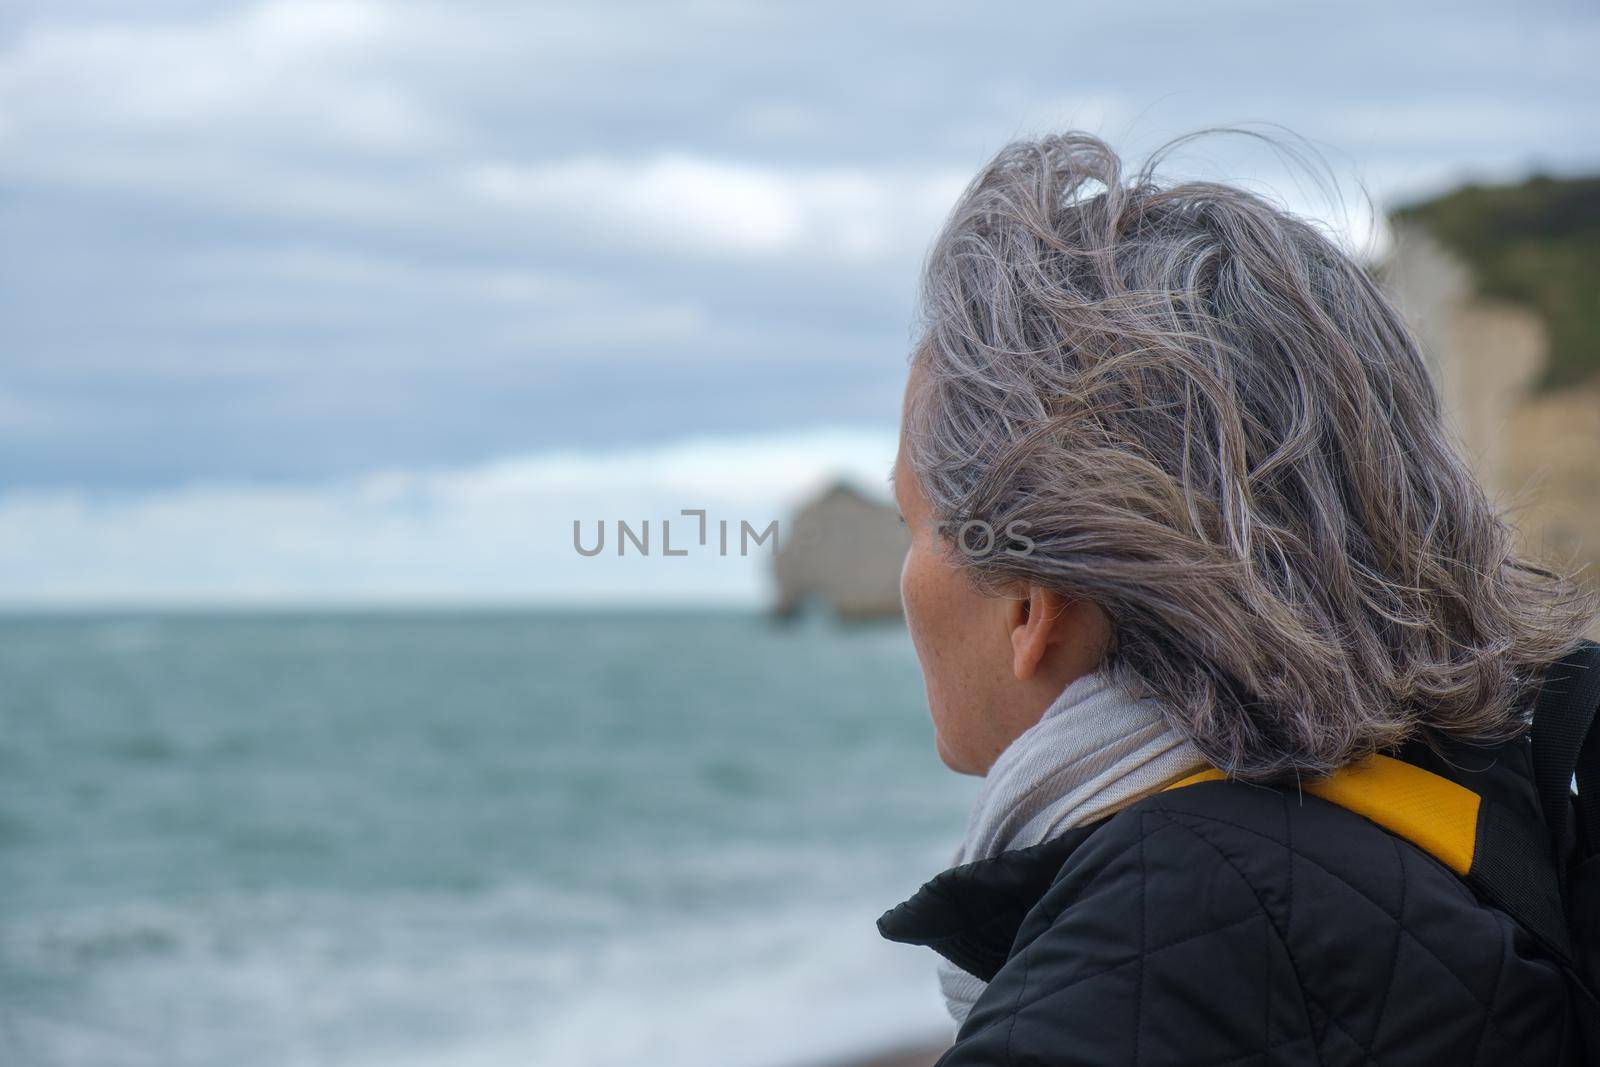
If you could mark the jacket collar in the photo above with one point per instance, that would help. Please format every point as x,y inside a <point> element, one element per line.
<point>970,914</point>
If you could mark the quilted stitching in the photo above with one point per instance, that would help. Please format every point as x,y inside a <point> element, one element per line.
<point>1311,1006</point>
<point>1306,998</point>
<point>1394,951</point>
<point>1499,976</point>
<point>1485,1008</point>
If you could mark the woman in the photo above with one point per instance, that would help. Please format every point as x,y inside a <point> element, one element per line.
<point>1195,574</point>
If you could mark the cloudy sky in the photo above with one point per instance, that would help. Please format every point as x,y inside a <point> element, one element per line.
<point>314,299</point>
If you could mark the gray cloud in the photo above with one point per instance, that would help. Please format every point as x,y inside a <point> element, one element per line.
<point>299,240</point>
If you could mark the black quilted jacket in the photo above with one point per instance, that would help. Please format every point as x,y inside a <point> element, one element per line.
<point>1224,924</point>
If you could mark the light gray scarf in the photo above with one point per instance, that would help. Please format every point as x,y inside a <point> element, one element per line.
<point>1097,748</point>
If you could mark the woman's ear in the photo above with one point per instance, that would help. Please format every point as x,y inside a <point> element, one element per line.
<point>1038,621</point>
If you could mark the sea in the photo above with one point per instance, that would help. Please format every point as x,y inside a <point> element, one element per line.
<point>462,838</point>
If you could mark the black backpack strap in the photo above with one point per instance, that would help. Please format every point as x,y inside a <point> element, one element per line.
<point>1514,869</point>
<point>1565,747</point>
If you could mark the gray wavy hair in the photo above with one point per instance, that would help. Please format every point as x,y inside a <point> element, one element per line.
<point>1213,423</point>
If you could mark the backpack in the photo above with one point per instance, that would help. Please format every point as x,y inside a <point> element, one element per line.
<point>1566,751</point>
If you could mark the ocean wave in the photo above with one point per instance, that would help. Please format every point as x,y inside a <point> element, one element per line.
<point>522,975</point>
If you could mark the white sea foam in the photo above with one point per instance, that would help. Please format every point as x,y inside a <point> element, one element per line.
<point>475,982</point>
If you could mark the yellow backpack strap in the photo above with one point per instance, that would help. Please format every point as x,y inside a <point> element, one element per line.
<point>1435,814</point>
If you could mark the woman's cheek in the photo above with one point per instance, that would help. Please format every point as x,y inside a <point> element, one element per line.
<point>913,591</point>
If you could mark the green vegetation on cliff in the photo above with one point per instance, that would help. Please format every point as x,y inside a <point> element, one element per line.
<point>1536,243</point>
